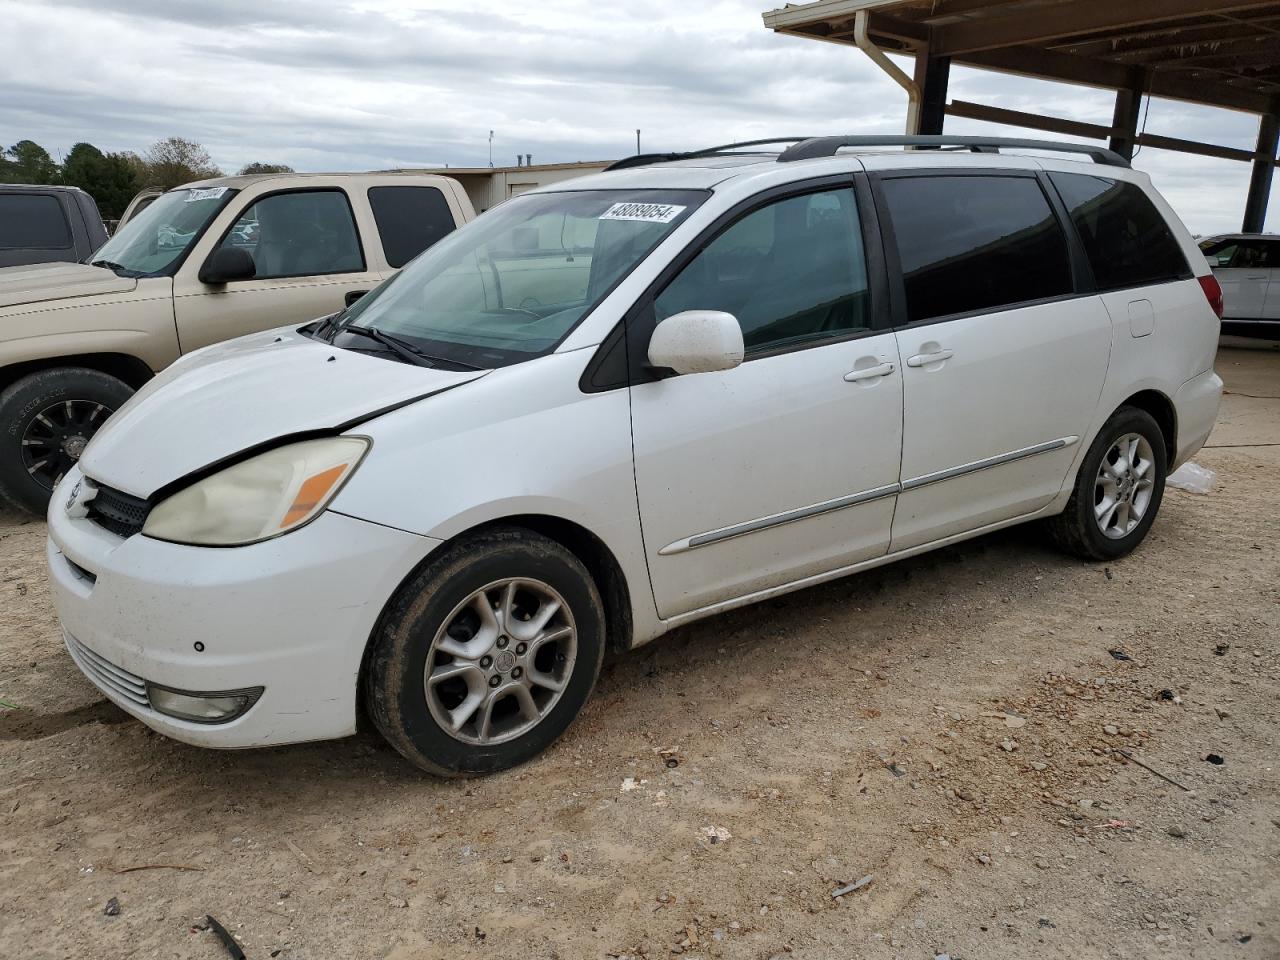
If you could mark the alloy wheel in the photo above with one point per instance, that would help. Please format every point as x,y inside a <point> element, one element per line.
<point>1125,483</point>
<point>501,661</point>
<point>56,437</point>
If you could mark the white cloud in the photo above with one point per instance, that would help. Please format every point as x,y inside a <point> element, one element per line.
<point>380,83</point>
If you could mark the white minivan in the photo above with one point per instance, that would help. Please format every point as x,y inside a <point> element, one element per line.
<point>619,404</point>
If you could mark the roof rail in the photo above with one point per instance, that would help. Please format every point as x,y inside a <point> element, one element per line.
<point>827,146</point>
<point>644,159</point>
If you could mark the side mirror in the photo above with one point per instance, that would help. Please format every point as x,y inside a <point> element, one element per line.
<point>352,296</point>
<point>228,264</point>
<point>697,341</point>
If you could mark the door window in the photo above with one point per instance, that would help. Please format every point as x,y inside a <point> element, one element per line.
<point>1128,242</point>
<point>299,234</point>
<point>975,243</point>
<point>409,219</point>
<point>792,272</point>
<point>32,221</point>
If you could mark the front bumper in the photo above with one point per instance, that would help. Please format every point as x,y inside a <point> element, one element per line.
<point>1196,405</point>
<point>292,615</point>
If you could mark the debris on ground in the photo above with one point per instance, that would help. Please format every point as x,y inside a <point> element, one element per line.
<point>1120,655</point>
<point>227,939</point>
<point>716,834</point>
<point>852,887</point>
<point>1192,478</point>
<point>112,909</point>
<point>1150,769</point>
<point>1216,759</point>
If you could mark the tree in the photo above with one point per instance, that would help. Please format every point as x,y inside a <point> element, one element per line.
<point>109,178</point>
<point>251,168</point>
<point>174,161</point>
<point>28,162</point>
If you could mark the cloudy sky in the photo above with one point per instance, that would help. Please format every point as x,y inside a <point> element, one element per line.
<point>333,85</point>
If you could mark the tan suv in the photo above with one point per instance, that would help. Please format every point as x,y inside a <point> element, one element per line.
<point>202,263</point>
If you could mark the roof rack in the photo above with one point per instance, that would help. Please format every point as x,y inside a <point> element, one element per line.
<point>644,159</point>
<point>827,146</point>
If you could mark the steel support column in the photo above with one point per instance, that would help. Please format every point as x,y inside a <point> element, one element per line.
<point>1255,208</point>
<point>933,75</point>
<point>1125,118</point>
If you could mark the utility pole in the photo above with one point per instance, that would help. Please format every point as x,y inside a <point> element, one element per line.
<point>490,149</point>
<point>637,143</point>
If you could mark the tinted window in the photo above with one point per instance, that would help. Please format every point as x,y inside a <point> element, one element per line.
<point>975,243</point>
<point>32,221</point>
<point>1127,240</point>
<point>306,233</point>
<point>790,272</point>
<point>410,219</point>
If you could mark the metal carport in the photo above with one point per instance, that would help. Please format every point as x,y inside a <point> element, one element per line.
<point>1219,53</point>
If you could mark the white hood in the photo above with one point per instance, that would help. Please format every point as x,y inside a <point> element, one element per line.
<point>224,399</point>
<point>56,281</point>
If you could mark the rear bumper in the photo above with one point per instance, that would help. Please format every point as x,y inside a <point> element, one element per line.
<point>292,615</point>
<point>1196,404</point>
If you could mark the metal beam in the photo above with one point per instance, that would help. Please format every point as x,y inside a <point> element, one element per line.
<point>1078,18</point>
<point>1255,208</point>
<point>1076,128</point>
<point>933,74</point>
<point>1125,120</point>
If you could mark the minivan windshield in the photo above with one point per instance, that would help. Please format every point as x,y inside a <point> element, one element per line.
<point>513,283</point>
<point>155,241</point>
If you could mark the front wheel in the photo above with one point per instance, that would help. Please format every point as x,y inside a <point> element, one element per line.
<point>1118,490</point>
<point>46,420</point>
<point>487,655</point>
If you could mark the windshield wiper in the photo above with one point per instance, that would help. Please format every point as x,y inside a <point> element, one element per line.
<point>406,351</point>
<point>401,349</point>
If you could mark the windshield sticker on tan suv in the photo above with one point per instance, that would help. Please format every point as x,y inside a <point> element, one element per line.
<point>644,212</point>
<point>209,193</point>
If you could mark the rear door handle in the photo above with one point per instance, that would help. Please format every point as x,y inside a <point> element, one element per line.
<point>924,359</point>
<point>869,373</point>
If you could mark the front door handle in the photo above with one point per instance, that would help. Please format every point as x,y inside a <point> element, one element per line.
<point>924,359</point>
<point>869,373</point>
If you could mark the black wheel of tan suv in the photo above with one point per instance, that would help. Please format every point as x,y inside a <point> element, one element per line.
<point>1118,490</point>
<point>46,420</point>
<point>487,655</point>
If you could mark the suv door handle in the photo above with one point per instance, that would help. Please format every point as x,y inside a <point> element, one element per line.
<point>869,373</point>
<point>924,359</point>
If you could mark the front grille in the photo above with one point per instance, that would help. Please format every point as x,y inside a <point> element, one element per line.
<point>118,512</point>
<point>107,675</point>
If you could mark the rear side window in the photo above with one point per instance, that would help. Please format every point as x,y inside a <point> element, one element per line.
<point>1128,242</point>
<point>975,243</point>
<point>33,221</point>
<point>409,219</point>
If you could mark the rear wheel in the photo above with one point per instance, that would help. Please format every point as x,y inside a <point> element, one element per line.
<point>1118,490</point>
<point>487,655</point>
<point>46,420</point>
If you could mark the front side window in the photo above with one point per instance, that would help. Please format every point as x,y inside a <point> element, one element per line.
<point>409,220</point>
<point>154,242</point>
<point>512,283</point>
<point>33,221</point>
<point>300,234</point>
<point>970,243</point>
<point>791,272</point>
<point>1128,242</point>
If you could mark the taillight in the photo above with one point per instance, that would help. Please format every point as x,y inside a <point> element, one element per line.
<point>1213,293</point>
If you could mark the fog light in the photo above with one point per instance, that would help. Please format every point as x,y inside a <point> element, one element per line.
<point>202,707</point>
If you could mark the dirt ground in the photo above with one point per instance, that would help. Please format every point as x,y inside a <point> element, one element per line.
<point>946,726</point>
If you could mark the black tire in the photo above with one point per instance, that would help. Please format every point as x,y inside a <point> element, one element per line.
<point>25,400</point>
<point>395,688</point>
<point>1076,529</point>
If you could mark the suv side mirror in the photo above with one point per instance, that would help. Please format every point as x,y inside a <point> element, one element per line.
<point>228,264</point>
<point>697,341</point>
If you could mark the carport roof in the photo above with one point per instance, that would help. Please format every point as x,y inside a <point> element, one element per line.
<point>1223,53</point>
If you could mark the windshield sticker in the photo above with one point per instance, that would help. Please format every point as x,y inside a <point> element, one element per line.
<point>643,212</point>
<point>209,193</point>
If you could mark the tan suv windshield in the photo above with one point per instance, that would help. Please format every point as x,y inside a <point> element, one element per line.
<point>155,241</point>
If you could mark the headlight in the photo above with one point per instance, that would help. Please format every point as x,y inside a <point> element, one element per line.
<point>263,497</point>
